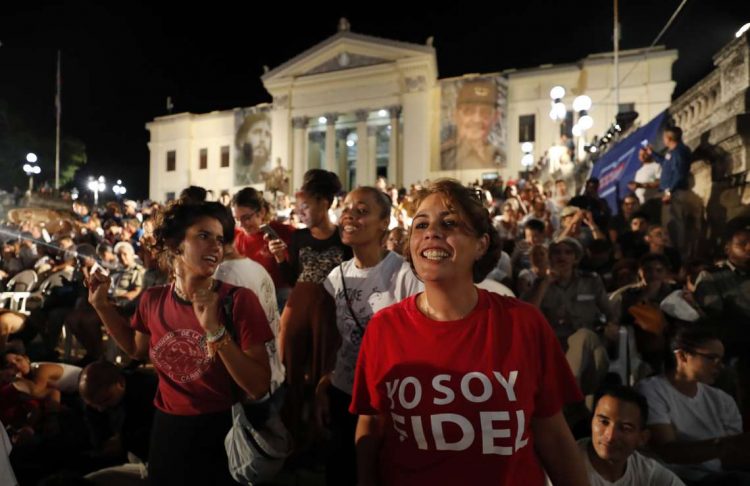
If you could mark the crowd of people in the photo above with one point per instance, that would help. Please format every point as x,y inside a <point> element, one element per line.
<point>495,333</point>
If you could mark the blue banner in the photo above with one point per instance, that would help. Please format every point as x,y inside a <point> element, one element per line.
<point>616,168</point>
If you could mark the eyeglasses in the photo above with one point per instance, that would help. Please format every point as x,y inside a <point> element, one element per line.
<point>246,216</point>
<point>712,357</point>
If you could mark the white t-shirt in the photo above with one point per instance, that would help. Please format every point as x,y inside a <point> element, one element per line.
<point>7,478</point>
<point>639,471</point>
<point>496,287</point>
<point>68,381</point>
<point>650,172</point>
<point>711,413</point>
<point>249,274</point>
<point>369,290</point>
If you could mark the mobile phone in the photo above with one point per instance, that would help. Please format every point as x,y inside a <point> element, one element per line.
<point>272,234</point>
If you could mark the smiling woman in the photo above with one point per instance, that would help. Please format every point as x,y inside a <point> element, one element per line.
<point>374,279</point>
<point>459,369</point>
<point>202,369</point>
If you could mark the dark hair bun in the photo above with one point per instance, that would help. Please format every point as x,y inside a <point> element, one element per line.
<point>322,184</point>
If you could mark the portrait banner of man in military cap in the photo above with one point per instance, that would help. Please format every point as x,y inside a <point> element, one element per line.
<point>252,143</point>
<point>472,125</point>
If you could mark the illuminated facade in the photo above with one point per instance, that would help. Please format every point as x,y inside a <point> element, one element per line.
<point>364,106</point>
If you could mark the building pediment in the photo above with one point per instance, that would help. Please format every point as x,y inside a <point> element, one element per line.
<point>348,50</point>
<point>346,60</point>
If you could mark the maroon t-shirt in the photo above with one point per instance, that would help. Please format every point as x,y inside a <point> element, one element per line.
<point>460,396</point>
<point>191,383</point>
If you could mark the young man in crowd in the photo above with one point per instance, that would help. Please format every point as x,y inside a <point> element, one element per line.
<point>618,429</point>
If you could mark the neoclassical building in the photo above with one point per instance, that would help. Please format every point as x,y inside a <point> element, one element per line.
<point>364,107</point>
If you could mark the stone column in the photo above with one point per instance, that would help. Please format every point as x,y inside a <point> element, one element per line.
<point>299,151</point>
<point>417,113</point>
<point>362,149</point>
<point>394,166</point>
<point>282,140</point>
<point>372,163</point>
<point>331,141</point>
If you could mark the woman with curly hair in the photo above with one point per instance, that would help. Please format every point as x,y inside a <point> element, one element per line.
<point>202,369</point>
<point>456,385</point>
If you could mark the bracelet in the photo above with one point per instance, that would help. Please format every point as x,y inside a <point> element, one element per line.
<point>215,346</point>
<point>213,337</point>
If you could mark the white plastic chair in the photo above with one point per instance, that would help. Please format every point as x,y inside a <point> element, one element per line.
<point>20,287</point>
<point>628,364</point>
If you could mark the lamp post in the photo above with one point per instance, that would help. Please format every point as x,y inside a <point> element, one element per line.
<point>582,105</point>
<point>119,189</point>
<point>96,186</point>
<point>558,111</point>
<point>31,169</point>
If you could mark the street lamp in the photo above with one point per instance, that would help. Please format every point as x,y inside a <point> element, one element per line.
<point>558,111</point>
<point>31,169</point>
<point>119,189</point>
<point>582,105</point>
<point>96,186</point>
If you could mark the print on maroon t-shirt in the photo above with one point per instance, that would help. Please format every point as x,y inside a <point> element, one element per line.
<point>181,355</point>
<point>189,382</point>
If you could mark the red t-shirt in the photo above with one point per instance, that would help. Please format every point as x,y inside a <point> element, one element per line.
<point>256,248</point>
<point>191,383</point>
<point>460,396</point>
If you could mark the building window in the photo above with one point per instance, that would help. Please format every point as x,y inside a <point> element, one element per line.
<point>203,159</point>
<point>171,161</point>
<point>625,107</point>
<point>526,128</point>
<point>225,156</point>
<point>170,196</point>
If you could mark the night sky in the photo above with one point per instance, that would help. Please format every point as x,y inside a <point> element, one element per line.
<point>122,60</point>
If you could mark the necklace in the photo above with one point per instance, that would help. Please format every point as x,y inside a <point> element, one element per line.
<point>178,290</point>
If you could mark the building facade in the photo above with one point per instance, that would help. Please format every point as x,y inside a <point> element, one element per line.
<point>364,107</point>
<point>715,118</point>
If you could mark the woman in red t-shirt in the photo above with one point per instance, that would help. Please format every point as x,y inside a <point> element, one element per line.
<point>251,211</point>
<point>457,385</point>
<point>202,369</point>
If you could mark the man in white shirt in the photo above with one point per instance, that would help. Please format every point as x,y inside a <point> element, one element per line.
<point>618,428</point>
<point>646,183</point>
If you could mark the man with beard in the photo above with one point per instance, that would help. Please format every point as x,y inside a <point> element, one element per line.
<point>253,143</point>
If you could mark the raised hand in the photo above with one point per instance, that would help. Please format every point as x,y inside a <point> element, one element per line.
<point>98,285</point>
<point>206,308</point>
<point>277,248</point>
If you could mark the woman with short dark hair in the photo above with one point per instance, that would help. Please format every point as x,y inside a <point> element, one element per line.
<point>307,332</point>
<point>202,369</point>
<point>374,279</point>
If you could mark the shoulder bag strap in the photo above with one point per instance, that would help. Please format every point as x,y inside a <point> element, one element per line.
<point>348,302</point>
